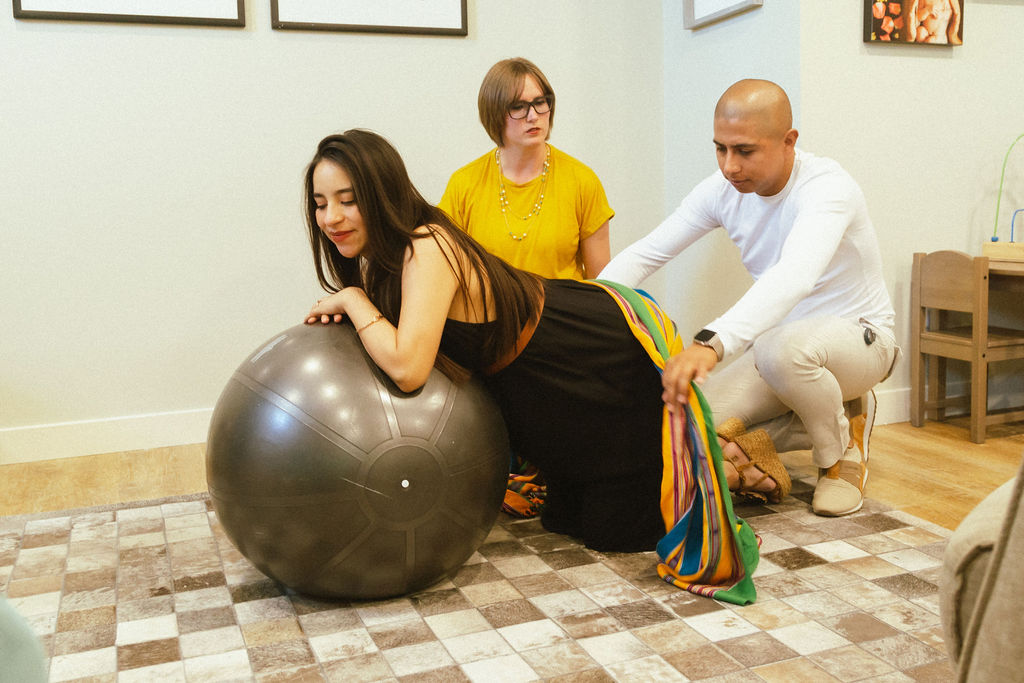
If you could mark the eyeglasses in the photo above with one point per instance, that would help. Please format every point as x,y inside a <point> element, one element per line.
<point>520,108</point>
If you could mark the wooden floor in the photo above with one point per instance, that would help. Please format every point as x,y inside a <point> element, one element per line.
<point>933,472</point>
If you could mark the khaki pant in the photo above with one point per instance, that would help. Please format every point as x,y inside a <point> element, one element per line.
<point>794,380</point>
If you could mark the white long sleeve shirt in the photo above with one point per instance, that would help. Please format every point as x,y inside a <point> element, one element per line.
<point>811,249</point>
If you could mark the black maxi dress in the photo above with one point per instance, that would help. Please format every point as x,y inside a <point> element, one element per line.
<point>583,403</point>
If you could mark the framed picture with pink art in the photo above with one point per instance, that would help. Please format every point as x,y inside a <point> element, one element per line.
<point>914,22</point>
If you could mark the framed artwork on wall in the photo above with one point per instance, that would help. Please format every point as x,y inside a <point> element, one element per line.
<point>437,17</point>
<point>914,22</point>
<point>697,13</point>
<point>203,12</point>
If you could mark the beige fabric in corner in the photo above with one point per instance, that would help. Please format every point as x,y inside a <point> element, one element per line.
<point>994,641</point>
<point>965,562</point>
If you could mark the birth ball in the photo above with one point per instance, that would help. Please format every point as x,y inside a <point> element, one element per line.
<point>335,483</point>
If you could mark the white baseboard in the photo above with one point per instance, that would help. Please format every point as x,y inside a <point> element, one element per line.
<point>893,405</point>
<point>112,435</point>
<point>137,432</point>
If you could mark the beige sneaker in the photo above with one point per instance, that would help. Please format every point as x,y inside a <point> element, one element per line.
<point>840,488</point>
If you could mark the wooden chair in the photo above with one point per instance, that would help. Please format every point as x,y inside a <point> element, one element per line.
<point>942,283</point>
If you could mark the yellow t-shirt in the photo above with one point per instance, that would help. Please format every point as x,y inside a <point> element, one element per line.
<point>574,207</point>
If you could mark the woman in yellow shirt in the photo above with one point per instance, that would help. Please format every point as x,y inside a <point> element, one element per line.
<point>526,201</point>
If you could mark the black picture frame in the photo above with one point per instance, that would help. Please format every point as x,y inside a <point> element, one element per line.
<point>374,17</point>
<point>232,12</point>
<point>700,13</point>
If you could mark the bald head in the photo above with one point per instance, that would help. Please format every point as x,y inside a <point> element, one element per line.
<point>754,139</point>
<point>760,102</point>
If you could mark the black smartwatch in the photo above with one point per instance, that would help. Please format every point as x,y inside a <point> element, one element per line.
<point>709,338</point>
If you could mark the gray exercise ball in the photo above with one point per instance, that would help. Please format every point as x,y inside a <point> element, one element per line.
<point>335,483</point>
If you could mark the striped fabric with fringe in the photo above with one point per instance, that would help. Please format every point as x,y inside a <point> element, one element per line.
<point>706,549</point>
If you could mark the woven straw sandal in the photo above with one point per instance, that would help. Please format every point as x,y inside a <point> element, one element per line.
<point>760,451</point>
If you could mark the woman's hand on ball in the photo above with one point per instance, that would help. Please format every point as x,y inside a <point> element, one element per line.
<point>326,310</point>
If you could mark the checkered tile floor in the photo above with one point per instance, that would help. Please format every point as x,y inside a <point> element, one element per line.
<point>157,592</point>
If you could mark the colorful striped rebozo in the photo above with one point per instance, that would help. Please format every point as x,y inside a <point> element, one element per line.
<point>706,549</point>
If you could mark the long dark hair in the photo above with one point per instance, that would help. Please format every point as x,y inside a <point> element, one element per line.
<point>392,209</point>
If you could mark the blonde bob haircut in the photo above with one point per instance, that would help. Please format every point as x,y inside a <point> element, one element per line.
<point>502,86</point>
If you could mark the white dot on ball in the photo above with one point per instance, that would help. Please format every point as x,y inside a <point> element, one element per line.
<point>405,483</point>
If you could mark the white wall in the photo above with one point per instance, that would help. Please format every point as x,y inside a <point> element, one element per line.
<point>150,214</point>
<point>924,129</point>
<point>150,210</point>
<point>699,65</point>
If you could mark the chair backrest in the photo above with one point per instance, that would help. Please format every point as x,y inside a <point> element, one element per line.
<point>950,280</point>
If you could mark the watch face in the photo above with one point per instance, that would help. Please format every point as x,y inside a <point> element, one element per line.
<point>704,336</point>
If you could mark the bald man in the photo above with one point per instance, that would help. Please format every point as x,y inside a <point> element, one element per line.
<point>813,332</point>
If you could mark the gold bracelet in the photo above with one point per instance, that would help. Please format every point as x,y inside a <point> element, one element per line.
<point>377,318</point>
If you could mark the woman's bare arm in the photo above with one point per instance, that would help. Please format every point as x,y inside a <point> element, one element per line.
<point>406,353</point>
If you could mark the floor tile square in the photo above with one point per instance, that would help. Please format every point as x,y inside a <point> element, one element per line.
<point>835,551</point>
<point>472,647</point>
<point>858,627</point>
<point>489,593</point>
<point>911,559</point>
<point>587,575</point>
<point>905,615</point>
<point>799,670</point>
<point>703,662</point>
<point>523,565</point>
<point>563,559</point>
<point>415,659</point>
<point>540,584</point>
<point>147,653</point>
<point>907,585</point>
<point>168,672</point>
<point>526,636</point>
<point>615,647</point>
<point>393,634</point>
<point>819,604</point>
<point>588,624</point>
<point>271,631</point>
<point>360,669</point>
<point>669,636</point>
<point>756,649</point>
<point>511,612</point>
<point>226,666</point>
<point>211,642</point>
<point>850,663</point>
<point>634,615</point>
<point>645,669</point>
<point>560,659</point>
<point>329,621</point>
<point>83,664</point>
<point>903,651</point>
<point>452,624</point>
<point>510,668</point>
<point>613,593</point>
<point>721,625</point>
<point>808,637</point>
<point>343,645</point>
<point>278,657</point>
<point>91,638</point>
<point>563,603</point>
<point>142,630</point>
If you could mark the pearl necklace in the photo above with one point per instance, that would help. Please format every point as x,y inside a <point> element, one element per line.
<point>506,209</point>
